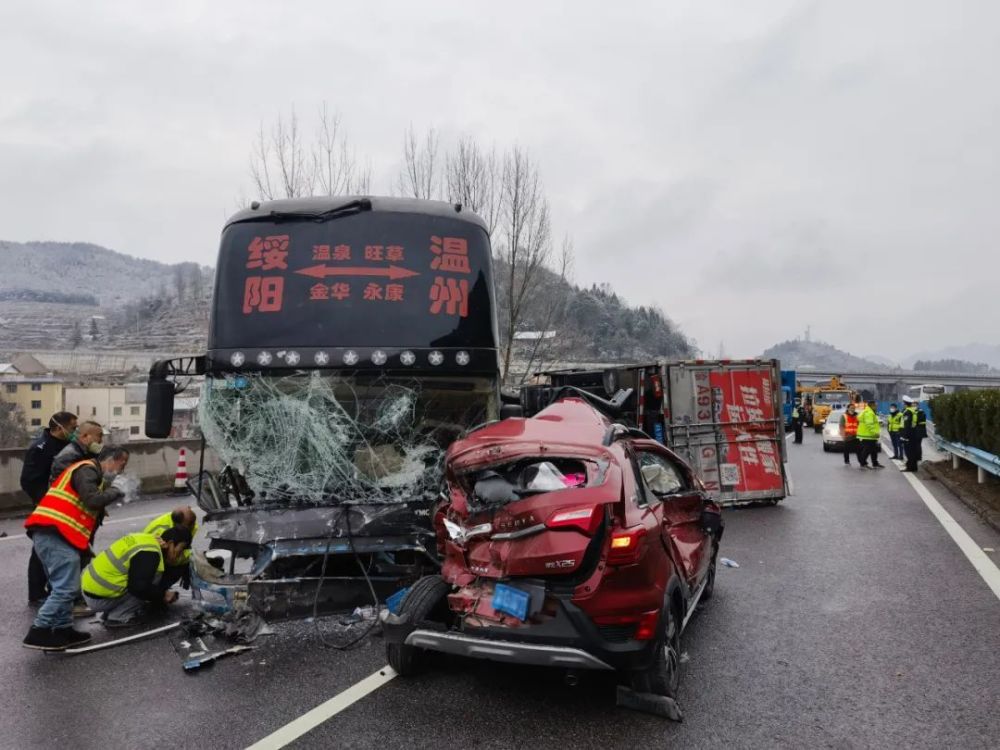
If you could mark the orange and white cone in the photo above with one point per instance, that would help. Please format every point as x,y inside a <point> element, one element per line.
<point>180,478</point>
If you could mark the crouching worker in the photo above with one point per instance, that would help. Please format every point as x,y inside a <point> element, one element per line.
<point>126,581</point>
<point>184,517</point>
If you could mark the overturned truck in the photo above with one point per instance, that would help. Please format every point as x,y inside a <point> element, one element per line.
<point>351,341</point>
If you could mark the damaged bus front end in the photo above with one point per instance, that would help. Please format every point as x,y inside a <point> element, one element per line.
<point>352,340</point>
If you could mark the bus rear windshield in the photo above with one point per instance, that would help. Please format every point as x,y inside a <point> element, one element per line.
<point>369,279</point>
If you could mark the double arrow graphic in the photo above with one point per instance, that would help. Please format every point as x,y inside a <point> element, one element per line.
<point>392,272</point>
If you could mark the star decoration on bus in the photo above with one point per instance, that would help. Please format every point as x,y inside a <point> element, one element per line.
<point>350,357</point>
<point>237,359</point>
<point>407,358</point>
<point>379,357</point>
<point>292,358</point>
<point>264,358</point>
<point>435,358</point>
<point>321,358</point>
<point>462,358</point>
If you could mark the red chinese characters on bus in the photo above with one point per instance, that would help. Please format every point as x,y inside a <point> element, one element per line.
<point>263,294</point>
<point>451,254</point>
<point>342,252</point>
<point>321,252</point>
<point>450,296</point>
<point>268,253</point>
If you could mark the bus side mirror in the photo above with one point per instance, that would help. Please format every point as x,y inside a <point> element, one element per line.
<point>159,407</point>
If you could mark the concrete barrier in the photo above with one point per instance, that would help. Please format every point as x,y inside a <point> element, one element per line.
<point>153,462</point>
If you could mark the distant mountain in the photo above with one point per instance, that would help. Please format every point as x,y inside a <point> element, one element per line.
<point>798,354</point>
<point>985,353</point>
<point>63,295</point>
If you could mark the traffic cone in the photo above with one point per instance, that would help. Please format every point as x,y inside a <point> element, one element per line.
<point>180,478</point>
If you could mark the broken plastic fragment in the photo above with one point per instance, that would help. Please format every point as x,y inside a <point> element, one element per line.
<point>543,477</point>
<point>729,563</point>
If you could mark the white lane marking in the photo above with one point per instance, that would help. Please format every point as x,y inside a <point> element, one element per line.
<point>983,564</point>
<point>106,523</point>
<point>309,721</point>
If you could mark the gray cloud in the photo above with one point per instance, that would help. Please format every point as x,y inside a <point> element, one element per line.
<point>707,159</point>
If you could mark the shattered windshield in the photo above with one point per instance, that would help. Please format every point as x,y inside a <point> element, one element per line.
<point>322,438</point>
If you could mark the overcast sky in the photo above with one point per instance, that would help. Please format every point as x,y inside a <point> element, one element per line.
<point>750,167</point>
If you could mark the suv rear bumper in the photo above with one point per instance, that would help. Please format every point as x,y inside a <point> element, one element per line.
<point>569,640</point>
<point>509,651</point>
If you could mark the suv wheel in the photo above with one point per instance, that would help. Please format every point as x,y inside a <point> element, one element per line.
<point>423,600</point>
<point>663,676</point>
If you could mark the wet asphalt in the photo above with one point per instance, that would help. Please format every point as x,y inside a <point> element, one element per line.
<point>853,621</point>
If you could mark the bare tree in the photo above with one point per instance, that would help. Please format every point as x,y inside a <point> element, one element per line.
<point>554,300</point>
<point>472,178</point>
<point>525,239</point>
<point>180,281</point>
<point>419,176</point>
<point>335,163</point>
<point>286,162</point>
<point>13,429</point>
<point>279,166</point>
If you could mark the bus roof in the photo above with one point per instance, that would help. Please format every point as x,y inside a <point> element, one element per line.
<point>318,204</point>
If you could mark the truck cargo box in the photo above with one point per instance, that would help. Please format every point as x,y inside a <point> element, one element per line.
<point>724,416</point>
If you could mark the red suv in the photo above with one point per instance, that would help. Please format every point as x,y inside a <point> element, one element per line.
<point>568,541</point>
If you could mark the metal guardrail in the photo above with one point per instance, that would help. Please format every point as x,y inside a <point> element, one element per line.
<point>982,460</point>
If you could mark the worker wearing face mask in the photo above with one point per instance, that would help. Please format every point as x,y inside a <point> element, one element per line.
<point>61,528</point>
<point>84,442</point>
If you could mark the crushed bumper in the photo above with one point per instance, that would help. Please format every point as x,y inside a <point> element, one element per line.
<point>509,651</point>
<point>289,563</point>
<point>568,640</point>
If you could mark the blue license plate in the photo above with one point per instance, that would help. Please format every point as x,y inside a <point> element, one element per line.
<point>511,601</point>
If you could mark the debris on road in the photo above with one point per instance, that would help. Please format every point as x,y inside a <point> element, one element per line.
<point>729,563</point>
<point>649,703</point>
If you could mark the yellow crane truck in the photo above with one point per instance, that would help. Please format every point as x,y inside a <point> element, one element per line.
<point>826,397</point>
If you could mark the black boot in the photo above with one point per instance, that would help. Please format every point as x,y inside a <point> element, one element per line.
<point>46,639</point>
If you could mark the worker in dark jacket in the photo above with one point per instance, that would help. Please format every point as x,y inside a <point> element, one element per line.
<point>60,529</point>
<point>35,481</point>
<point>914,432</point>
<point>798,419</point>
<point>127,579</point>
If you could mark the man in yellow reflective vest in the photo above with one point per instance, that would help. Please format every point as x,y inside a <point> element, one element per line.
<point>60,529</point>
<point>126,580</point>
<point>183,516</point>
<point>895,425</point>
<point>869,431</point>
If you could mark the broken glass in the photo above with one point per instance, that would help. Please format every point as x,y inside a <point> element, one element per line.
<point>325,438</point>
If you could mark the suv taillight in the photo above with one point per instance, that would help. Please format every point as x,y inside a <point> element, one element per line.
<point>626,545</point>
<point>586,519</point>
